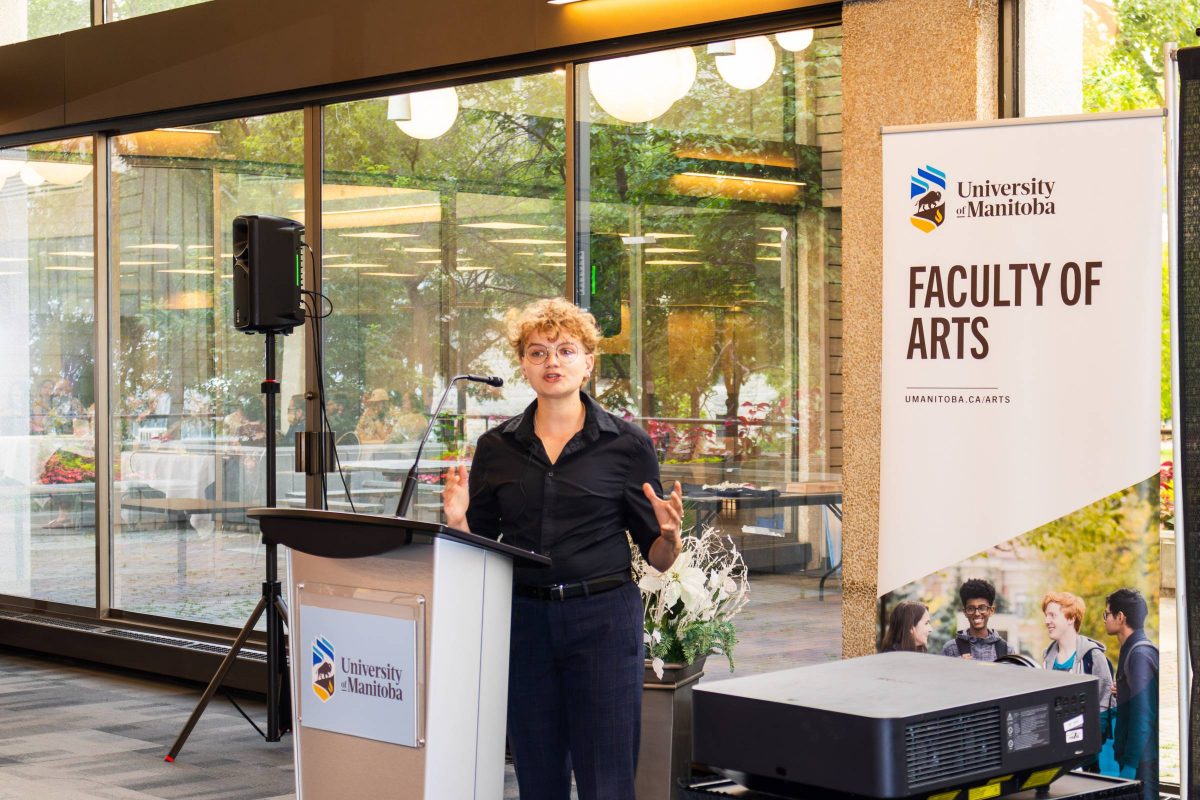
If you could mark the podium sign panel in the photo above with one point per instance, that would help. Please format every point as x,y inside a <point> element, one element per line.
<point>364,664</point>
<point>399,655</point>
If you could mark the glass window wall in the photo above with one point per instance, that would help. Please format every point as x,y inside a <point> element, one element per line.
<point>30,19</point>
<point>441,210</point>
<point>709,249</point>
<point>188,425</point>
<point>47,364</point>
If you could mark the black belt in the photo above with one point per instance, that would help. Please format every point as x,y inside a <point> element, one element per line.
<point>566,591</point>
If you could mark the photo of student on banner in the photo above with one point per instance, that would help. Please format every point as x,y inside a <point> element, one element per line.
<point>1079,594</point>
<point>908,629</point>
<point>977,642</point>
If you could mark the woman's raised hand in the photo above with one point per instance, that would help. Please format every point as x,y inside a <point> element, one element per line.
<point>669,512</point>
<point>456,497</point>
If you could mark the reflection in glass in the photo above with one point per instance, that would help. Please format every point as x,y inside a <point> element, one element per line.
<point>188,424</point>
<point>47,371</point>
<point>128,9</point>
<point>434,224</point>
<point>31,19</point>
<point>709,219</point>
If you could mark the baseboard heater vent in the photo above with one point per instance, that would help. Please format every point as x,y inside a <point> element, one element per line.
<point>100,629</point>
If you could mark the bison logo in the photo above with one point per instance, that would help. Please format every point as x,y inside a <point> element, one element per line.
<point>324,669</point>
<point>925,189</point>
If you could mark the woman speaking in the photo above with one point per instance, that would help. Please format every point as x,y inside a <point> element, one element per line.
<point>567,479</point>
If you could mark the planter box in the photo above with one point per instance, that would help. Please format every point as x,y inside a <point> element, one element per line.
<point>665,752</point>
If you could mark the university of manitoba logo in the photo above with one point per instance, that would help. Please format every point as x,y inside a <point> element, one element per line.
<point>324,669</point>
<point>929,206</point>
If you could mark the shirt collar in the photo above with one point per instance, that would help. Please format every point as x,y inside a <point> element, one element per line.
<point>596,420</point>
<point>1133,639</point>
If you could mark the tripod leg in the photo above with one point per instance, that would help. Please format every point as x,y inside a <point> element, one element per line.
<point>285,690</point>
<point>279,712</point>
<point>217,679</point>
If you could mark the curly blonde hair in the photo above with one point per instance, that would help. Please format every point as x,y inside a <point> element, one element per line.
<point>552,317</point>
<point>1073,607</point>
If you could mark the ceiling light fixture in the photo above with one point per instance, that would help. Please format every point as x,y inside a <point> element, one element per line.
<point>499,225</point>
<point>379,235</point>
<point>527,241</point>
<point>795,41</point>
<point>743,178</point>
<point>642,87</point>
<point>751,65</point>
<point>424,115</point>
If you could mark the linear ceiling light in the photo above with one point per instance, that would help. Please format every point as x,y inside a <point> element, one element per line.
<point>379,235</point>
<point>499,226</point>
<point>526,241</point>
<point>743,178</point>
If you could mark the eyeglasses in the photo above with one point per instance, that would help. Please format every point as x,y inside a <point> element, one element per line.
<point>977,611</point>
<point>567,353</point>
<point>1109,614</point>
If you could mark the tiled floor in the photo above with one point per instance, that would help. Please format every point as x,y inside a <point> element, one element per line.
<point>72,732</point>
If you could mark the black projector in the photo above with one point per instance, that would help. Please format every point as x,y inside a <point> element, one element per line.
<point>897,725</point>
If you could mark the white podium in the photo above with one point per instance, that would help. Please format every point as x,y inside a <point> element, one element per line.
<point>398,645</point>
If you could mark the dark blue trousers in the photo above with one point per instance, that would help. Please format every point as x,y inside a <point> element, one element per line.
<point>575,694</point>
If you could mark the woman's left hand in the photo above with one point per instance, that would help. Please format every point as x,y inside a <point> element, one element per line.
<point>669,513</point>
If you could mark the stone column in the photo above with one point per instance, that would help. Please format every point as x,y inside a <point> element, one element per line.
<point>904,63</point>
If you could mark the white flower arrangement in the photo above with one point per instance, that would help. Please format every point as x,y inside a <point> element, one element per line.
<point>690,607</point>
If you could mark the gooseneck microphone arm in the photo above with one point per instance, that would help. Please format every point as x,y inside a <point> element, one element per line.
<point>410,480</point>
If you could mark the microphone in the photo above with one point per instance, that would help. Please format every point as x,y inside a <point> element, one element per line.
<point>410,480</point>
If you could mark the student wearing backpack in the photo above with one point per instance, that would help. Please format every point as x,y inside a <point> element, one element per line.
<point>1070,651</point>
<point>977,642</point>
<point>1135,734</point>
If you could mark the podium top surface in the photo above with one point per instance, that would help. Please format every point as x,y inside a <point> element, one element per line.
<point>338,534</point>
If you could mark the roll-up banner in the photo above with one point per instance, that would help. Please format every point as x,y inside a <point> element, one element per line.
<point>1022,323</point>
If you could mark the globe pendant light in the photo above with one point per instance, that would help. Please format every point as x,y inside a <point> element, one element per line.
<point>427,115</point>
<point>795,41</point>
<point>751,65</point>
<point>642,87</point>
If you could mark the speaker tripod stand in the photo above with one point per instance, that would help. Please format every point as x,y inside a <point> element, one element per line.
<point>279,704</point>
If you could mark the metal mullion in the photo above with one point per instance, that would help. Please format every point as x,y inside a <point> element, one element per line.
<point>103,301</point>
<point>572,184</point>
<point>314,155</point>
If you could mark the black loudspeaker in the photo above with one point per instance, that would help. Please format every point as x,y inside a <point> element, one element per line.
<point>1187,294</point>
<point>268,257</point>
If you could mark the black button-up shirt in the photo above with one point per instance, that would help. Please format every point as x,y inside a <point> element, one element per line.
<point>576,510</point>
